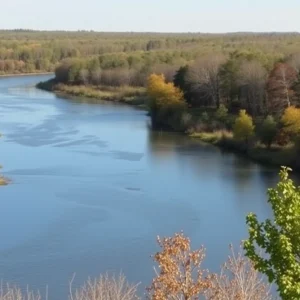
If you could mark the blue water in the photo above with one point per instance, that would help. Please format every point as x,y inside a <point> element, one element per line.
<point>92,187</point>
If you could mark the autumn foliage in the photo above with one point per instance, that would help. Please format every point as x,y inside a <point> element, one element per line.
<point>166,102</point>
<point>180,275</point>
<point>291,121</point>
<point>243,128</point>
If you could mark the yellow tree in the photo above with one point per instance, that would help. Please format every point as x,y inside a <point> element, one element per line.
<point>291,121</point>
<point>243,128</point>
<point>166,102</point>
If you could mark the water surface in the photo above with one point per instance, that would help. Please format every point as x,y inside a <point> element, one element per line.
<point>92,187</point>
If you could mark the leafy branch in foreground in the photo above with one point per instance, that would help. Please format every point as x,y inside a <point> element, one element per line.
<point>278,238</point>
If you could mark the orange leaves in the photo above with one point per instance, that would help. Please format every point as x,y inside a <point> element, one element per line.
<point>180,276</point>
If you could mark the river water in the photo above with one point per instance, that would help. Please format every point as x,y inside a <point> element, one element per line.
<point>92,187</point>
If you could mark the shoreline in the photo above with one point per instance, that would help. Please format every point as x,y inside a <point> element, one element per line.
<point>133,96</point>
<point>274,157</point>
<point>26,74</point>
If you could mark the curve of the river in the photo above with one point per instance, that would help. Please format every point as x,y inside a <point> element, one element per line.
<point>92,187</point>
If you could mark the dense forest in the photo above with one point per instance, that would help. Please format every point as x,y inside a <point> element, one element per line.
<point>25,51</point>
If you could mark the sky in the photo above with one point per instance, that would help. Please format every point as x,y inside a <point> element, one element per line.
<point>152,15</point>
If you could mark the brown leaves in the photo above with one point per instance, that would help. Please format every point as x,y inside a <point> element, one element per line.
<point>180,276</point>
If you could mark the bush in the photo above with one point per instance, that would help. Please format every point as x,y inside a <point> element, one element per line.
<point>243,128</point>
<point>268,131</point>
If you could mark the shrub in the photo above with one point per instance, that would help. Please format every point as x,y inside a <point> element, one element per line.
<point>243,127</point>
<point>268,131</point>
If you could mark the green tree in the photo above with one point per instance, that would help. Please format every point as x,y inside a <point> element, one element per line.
<point>278,238</point>
<point>180,82</point>
<point>222,113</point>
<point>268,131</point>
<point>243,127</point>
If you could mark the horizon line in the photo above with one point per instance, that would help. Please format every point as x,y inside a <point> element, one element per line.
<point>147,32</point>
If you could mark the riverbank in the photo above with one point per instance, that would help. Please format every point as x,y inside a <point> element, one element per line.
<point>274,156</point>
<point>26,74</point>
<point>135,96</point>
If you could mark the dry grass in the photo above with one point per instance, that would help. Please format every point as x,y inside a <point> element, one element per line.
<point>121,94</point>
<point>13,293</point>
<point>105,288</point>
<point>213,137</point>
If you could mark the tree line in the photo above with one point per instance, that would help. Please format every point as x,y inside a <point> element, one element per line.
<point>26,51</point>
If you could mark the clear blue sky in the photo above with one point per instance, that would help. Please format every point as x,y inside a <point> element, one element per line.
<point>152,15</point>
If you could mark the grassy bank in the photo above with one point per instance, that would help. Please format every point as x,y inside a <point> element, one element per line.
<point>124,94</point>
<point>275,155</point>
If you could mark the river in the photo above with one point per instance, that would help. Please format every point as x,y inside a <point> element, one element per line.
<point>92,187</point>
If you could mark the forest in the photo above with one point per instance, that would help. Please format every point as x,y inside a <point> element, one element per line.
<point>26,51</point>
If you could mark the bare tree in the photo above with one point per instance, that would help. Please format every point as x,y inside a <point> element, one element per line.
<point>105,288</point>
<point>252,80</point>
<point>8,292</point>
<point>204,77</point>
<point>238,280</point>
<point>279,85</point>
